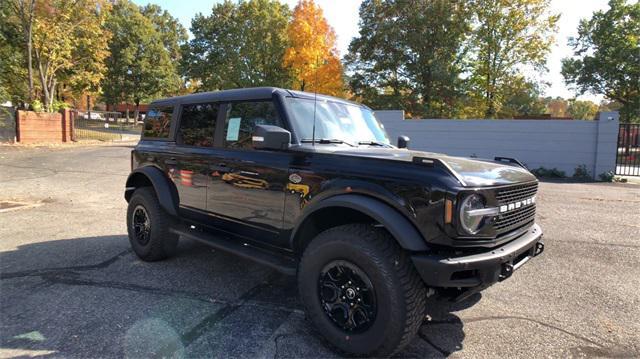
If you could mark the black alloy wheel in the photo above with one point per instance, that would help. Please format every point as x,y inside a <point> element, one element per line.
<point>141,225</point>
<point>347,296</point>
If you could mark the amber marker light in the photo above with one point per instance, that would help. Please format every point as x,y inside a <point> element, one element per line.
<point>448,211</point>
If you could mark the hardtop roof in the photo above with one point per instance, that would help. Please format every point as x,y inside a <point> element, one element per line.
<point>253,93</point>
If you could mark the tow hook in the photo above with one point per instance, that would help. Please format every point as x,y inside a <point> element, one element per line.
<point>539,248</point>
<point>506,272</point>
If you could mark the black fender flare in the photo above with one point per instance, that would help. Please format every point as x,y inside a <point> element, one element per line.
<point>165,190</point>
<point>404,232</point>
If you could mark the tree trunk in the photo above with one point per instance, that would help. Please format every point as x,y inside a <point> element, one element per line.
<point>43,82</point>
<point>137,112</point>
<point>30,60</point>
<point>52,94</point>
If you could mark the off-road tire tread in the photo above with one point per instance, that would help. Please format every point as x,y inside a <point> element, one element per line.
<point>384,247</point>
<point>163,243</point>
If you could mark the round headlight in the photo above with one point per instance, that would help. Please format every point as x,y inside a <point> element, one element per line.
<point>470,217</point>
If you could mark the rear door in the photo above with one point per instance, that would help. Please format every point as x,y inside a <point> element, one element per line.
<point>188,164</point>
<point>247,185</point>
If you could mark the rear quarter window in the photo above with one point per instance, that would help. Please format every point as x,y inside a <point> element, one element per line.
<point>157,123</point>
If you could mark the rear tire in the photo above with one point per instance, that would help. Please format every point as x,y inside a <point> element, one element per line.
<point>361,254</point>
<point>149,226</point>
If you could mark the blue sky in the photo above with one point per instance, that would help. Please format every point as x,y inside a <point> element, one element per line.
<point>343,16</point>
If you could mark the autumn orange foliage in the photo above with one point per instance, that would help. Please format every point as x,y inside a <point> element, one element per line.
<point>312,56</point>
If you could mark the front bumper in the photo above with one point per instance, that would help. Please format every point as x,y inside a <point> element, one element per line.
<point>478,271</point>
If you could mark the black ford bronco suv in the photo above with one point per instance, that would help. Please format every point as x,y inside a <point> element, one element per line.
<point>310,185</point>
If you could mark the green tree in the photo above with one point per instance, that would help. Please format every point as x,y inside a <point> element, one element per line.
<point>582,110</point>
<point>409,55</point>
<point>13,74</point>
<point>239,45</point>
<point>607,57</point>
<point>522,98</point>
<point>69,51</point>
<point>508,35</point>
<point>23,12</point>
<point>140,64</point>
<point>172,33</point>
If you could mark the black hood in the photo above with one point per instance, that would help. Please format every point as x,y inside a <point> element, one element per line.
<point>470,172</point>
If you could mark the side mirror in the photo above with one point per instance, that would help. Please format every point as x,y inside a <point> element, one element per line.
<point>267,137</point>
<point>403,141</point>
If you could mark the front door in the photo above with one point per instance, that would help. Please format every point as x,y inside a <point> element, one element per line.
<point>246,185</point>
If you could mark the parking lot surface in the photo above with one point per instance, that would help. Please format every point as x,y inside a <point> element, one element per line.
<point>71,287</point>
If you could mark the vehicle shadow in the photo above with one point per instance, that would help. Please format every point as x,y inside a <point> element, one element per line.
<point>88,297</point>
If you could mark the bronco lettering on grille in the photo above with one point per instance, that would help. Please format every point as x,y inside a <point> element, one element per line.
<point>517,205</point>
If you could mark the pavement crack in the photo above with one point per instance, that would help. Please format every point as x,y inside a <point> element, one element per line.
<point>515,317</point>
<point>212,320</point>
<point>70,280</point>
<point>621,245</point>
<point>63,270</point>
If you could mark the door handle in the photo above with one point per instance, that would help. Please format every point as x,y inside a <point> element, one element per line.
<point>171,161</point>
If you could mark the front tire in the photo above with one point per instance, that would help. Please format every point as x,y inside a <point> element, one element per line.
<point>361,290</point>
<point>149,227</point>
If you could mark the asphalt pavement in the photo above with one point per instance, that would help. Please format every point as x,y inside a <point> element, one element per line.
<point>71,287</point>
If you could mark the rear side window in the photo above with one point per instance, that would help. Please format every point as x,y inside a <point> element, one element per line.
<point>157,123</point>
<point>242,118</point>
<point>197,124</point>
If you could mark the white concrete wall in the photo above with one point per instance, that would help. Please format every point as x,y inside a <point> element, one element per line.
<point>561,144</point>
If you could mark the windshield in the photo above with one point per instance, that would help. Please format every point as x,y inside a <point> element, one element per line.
<point>336,121</point>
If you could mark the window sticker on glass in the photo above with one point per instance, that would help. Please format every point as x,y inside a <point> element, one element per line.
<point>233,129</point>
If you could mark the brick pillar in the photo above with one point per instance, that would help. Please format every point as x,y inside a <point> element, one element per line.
<point>66,125</point>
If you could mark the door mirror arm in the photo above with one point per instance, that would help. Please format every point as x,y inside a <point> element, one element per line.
<point>403,141</point>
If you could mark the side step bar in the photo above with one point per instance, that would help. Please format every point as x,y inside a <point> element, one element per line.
<point>280,262</point>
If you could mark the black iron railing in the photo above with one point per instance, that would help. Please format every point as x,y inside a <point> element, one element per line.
<point>628,150</point>
<point>103,126</point>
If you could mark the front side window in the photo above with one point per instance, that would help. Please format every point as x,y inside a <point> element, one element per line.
<point>336,121</point>
<point>157,123</point>
<point>197,124</point>
<point>242,118</point>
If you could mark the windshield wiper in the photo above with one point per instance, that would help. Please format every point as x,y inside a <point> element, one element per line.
<point>326,141</point>
<point>373,143</point>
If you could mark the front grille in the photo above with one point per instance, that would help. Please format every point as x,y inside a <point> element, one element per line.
<point>519,217</point>
<point>516,193</point>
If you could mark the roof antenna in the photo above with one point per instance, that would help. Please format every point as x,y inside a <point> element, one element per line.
<point>315,101</point>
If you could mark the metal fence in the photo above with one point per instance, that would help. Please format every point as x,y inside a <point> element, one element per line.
<point>7,124</point>
<point>628,150</point>
<point>104,126</point>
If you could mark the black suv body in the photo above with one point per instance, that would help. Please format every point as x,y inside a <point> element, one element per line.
<point>310,185</point>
